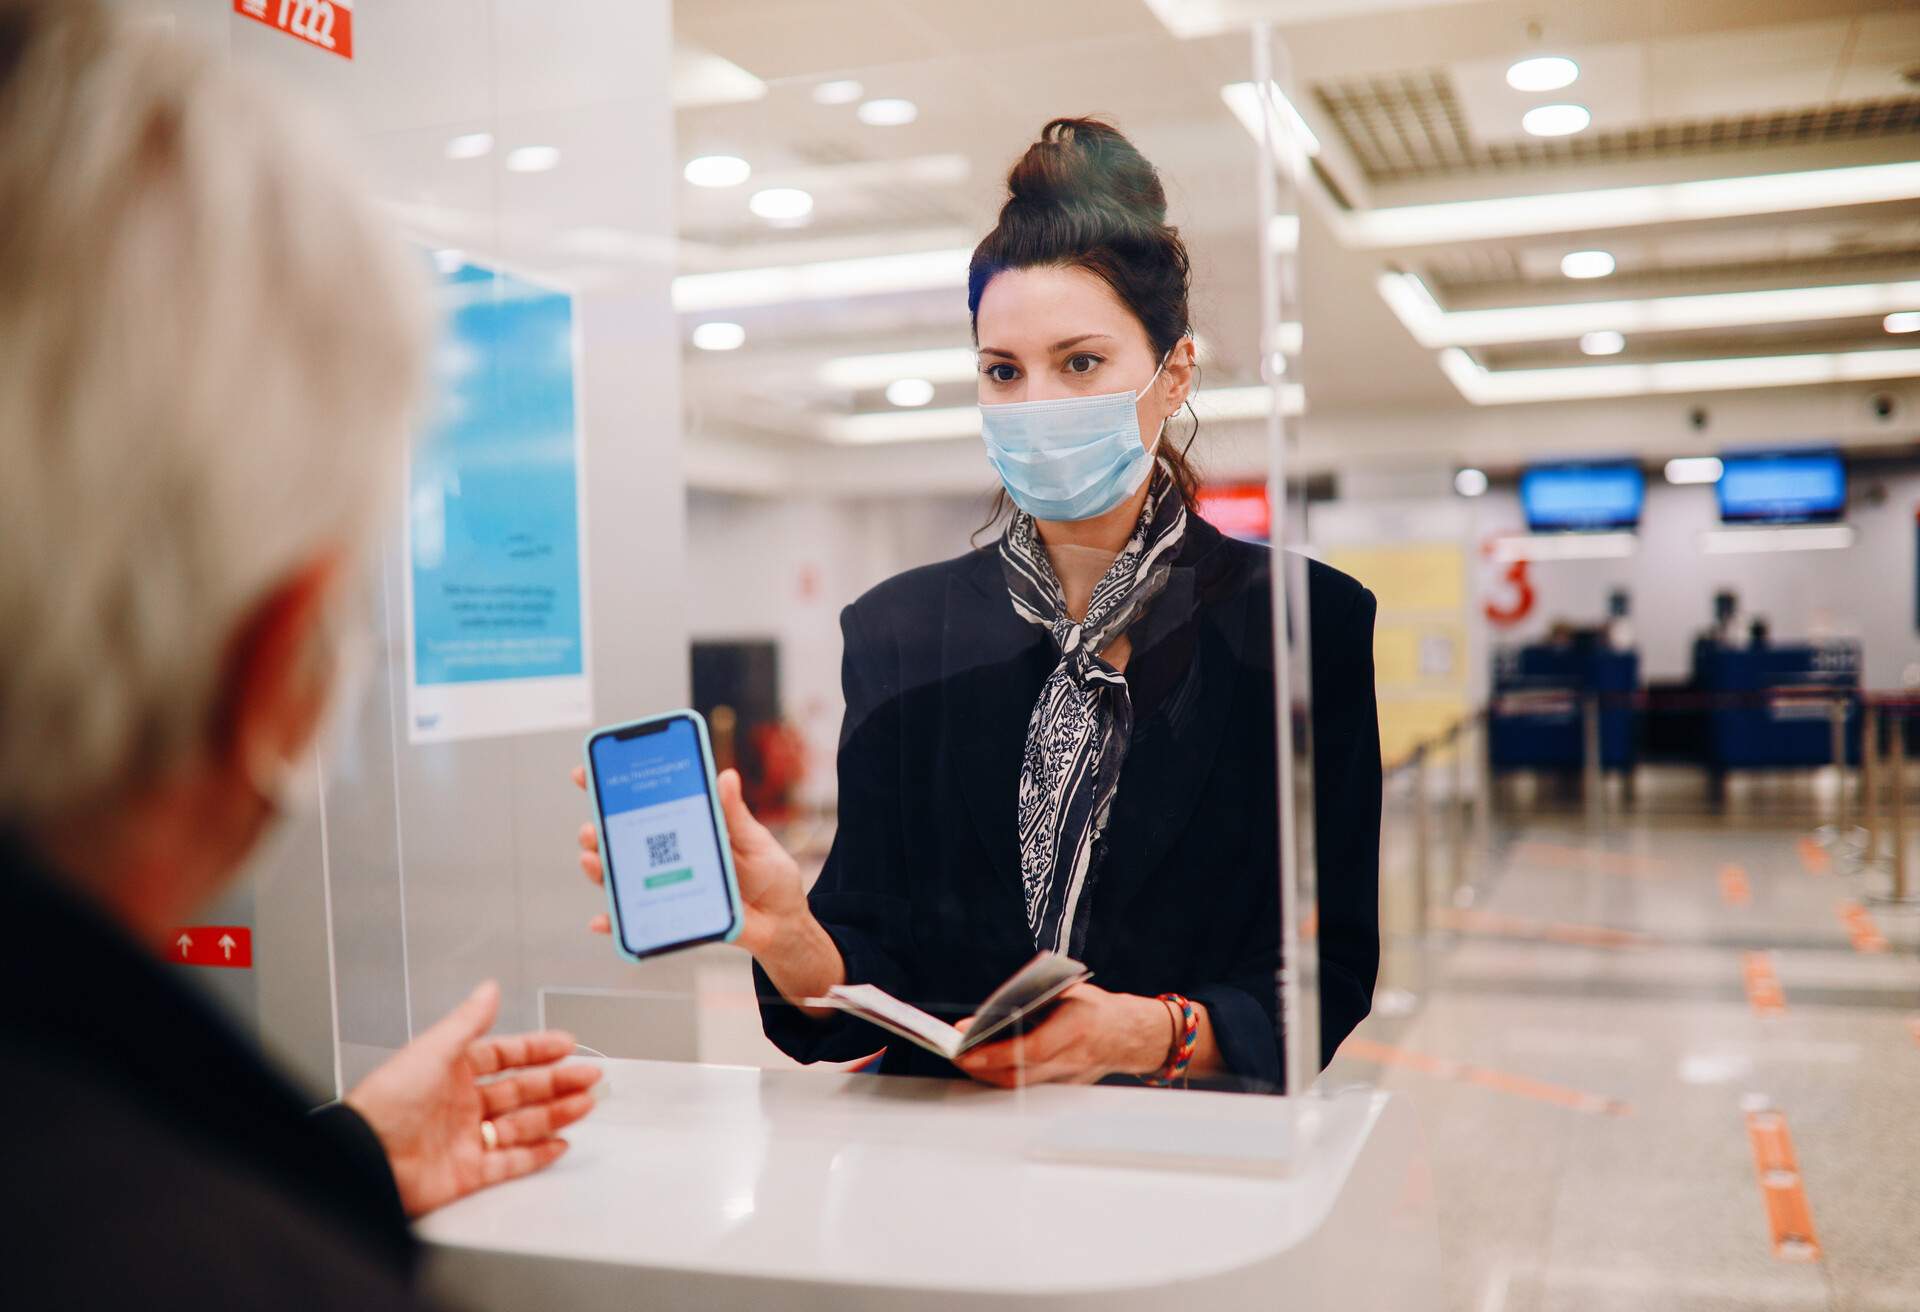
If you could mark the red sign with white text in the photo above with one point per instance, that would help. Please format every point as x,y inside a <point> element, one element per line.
<point>212,945</point>
<point>324,23</point>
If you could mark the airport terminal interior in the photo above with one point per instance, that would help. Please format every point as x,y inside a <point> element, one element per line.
<point>1584,336</point>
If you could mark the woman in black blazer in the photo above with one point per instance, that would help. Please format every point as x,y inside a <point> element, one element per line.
<point>1066,739</point>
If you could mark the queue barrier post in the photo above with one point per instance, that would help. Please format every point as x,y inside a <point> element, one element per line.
<point>1457,811</point>
<point>1422,839</point>
<point>1869,782</point>
<point>1898,753</point>
<point>1483,784</point>
<point>1837,752</point>
<point>1590,781</point>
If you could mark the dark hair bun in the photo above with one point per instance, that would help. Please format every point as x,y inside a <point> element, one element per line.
<point>1086,163</point>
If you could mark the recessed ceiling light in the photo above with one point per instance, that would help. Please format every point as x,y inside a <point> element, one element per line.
<point>841,91</point>
<point>719,336</point>
<point>1586,264</point>
<point>532,159</point>
<point>780,203</point>
<point>1905,321</point>
<point>1546,73</point>
<point>469,145</point>
<point>1604,342</point>
<point>717,171</point>
<point>1694,469</point>
<point>1470,482</point>
<point>888,113</point>
<point>909,392</point>
<point>1556,120</point>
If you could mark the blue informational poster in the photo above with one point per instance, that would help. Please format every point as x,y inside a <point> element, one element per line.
<point>496,578</point>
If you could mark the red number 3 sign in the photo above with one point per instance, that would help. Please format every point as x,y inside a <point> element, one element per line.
<point>1517,603</point>
<point>324,23</point>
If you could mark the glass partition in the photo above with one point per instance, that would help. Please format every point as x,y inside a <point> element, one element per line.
<point>706,431</point>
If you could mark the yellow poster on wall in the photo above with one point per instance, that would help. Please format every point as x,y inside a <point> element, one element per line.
<point>1420,644</point>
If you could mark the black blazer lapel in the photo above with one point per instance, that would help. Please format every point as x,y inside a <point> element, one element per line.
<point>992,666</point>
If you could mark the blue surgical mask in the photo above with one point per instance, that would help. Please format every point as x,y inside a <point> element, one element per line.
<point>1074,457</point>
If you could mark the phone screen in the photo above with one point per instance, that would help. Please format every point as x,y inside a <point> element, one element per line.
<point>662,845</point>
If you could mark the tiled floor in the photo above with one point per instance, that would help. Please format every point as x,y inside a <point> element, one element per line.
<point>1554,1203</point>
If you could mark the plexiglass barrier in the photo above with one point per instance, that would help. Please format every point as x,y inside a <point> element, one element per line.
<point>705,430</point>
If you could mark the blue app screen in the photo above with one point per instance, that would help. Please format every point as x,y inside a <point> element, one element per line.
<point>662,846</point>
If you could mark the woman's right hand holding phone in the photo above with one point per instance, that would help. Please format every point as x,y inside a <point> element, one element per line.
<point>777,926</point>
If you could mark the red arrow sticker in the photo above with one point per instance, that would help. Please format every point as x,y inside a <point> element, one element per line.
<point>212,945</point>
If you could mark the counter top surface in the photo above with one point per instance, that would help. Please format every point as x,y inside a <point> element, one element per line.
<point>911,1183</point>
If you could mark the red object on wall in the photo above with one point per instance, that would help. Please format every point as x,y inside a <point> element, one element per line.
<point>327,24</point>
<point>1519,597</point>
<point>212,945</point>
<point>1239,510</point>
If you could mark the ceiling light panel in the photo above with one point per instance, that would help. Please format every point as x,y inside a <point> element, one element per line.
<point>1624,207</point>
<point>877,275</point>
<point>702,78</point>
<point>1593,382</point>
<point>1542,73</point>
<point>1556,120</point>
<point>1243,98</point>
<point>1432,326</point>
<point>953,364</point>
<point>1683,470</point>
<point>888,112</point>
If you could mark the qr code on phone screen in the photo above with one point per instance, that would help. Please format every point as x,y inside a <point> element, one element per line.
<point>663,849</point>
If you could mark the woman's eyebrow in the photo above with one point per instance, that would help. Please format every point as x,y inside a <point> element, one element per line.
<point>1083,337</point>
<point>1057,346</point>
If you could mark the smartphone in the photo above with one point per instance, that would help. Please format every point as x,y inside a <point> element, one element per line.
<point>663,842</point>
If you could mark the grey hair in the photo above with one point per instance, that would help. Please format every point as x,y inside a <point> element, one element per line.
<point>210,349</point>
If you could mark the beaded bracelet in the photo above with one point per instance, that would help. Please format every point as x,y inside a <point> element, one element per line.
<point>1182,1052</point>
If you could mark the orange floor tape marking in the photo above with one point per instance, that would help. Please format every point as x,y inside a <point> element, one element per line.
<point>1763,986</point>
<point>1788,1216</point>
<point>1865,934</point>
<point>1580,858</point>
<point>1735,891</point>
<point>1551,931</point>
<point>1521,1086</point>
<point>1814,857</point>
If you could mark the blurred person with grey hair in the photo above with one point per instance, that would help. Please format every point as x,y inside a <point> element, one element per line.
<point>208,354</point>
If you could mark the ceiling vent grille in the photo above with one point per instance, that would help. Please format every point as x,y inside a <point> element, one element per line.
<point>1410,126</point>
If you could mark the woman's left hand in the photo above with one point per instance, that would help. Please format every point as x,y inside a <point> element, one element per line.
<point>1091,1034</point>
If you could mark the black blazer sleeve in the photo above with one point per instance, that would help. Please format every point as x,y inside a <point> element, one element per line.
<point>1347,793</point>
<point>858,899</point>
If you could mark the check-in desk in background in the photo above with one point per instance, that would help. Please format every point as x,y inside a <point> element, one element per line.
<point>1772,708</point>
<point>712,1187</point>
<point>1538,708</point>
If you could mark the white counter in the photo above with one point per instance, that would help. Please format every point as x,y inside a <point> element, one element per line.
<point>727,1187</point>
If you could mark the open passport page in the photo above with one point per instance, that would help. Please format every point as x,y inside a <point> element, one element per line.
<point>1030,988</point>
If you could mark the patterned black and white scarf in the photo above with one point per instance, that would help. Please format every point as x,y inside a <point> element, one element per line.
<point>1078,734</point>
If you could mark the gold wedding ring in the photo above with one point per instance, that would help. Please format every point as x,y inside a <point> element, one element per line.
<point>489,1137</point>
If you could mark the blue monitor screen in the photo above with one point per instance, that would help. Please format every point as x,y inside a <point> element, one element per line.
<point>1573,497</point>
<point>1785,488</point>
